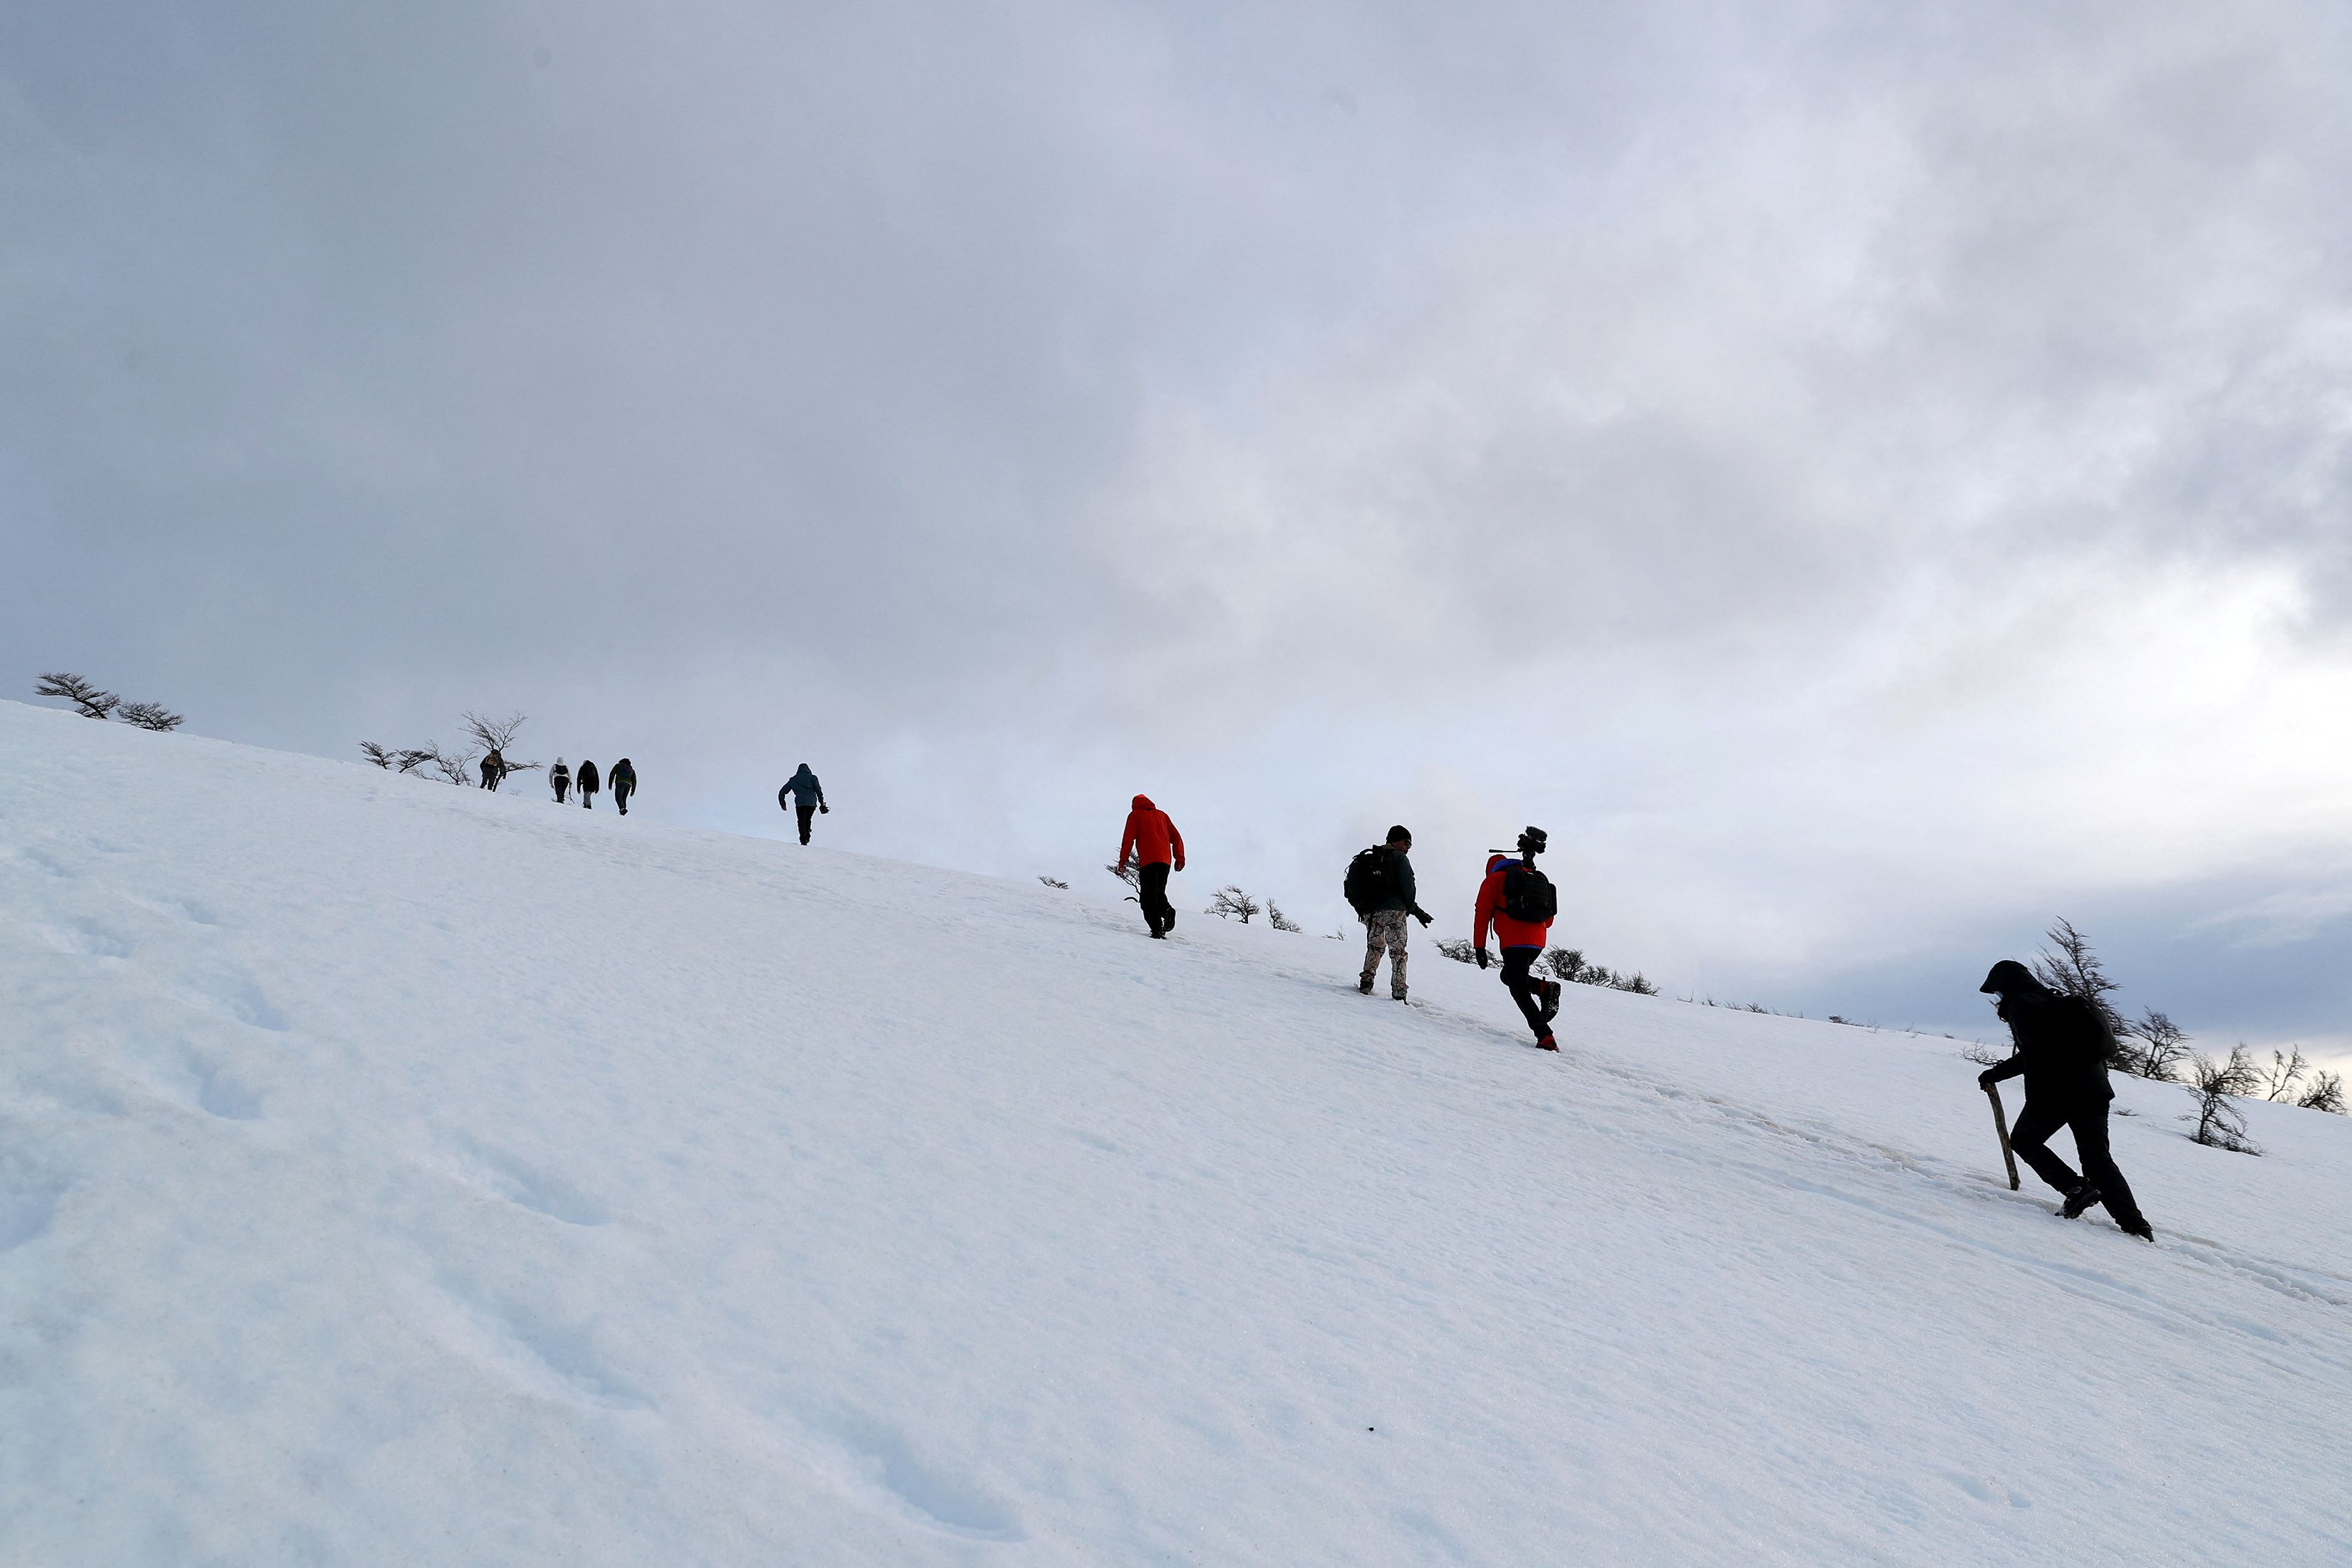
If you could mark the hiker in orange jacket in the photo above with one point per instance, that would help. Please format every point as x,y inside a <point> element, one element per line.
<point>1153,843</point>
<point>1521,938</point>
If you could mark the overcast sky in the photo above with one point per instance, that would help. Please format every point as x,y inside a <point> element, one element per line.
<point>1869,480</point>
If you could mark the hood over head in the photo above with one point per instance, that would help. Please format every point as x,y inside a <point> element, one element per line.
<point>2009,976</point>
<point>1497,862</point>
<point>1143,802</point>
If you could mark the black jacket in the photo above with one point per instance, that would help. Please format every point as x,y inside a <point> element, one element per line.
<point>586,778</point>
<point>623,779</point>
<point>2062,1048</point>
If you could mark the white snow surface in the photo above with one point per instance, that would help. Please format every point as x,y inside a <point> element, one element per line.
<point>392,1173</point>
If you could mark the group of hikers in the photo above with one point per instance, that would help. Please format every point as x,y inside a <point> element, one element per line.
<point>801,795</point>
<point>2062,1041</point>
<point>621,778</point>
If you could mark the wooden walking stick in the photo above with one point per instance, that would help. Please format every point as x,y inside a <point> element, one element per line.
<point>2001,1125</point>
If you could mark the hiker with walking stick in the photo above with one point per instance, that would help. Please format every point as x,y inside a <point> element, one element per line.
<point>2062,1052</point>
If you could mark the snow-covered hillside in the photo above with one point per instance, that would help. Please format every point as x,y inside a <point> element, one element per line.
<point>396,1174</point>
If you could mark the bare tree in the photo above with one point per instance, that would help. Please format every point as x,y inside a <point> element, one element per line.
<point>1459,950</point>
<point>151,716</point>
<point>379,755</point>
<point>2074,970</point>
<point>2159,1048</point>
<point>412,758</point>
<point>1231,900</point>
<point>1132,875</point>
<point>85,695</point>
<point>495,734</point>
<point>2325,1093</point>
<point>1566,964</point>
<point>2219,1124</point>
<point>457,767</point>
<point>1277,920</point>
<point>2279,1080</point>
<point>1052,882</point>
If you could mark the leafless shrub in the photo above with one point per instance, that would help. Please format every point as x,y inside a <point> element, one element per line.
<point>381,756</point>
<point>2069,967</point>
<point>1984,1056</point>
<point>1568,963</point>
<point>2325,1093</point>
<point>2219,1124</point>
<point>2158,1047</point>
<point>410,759</point>
<point>151,716</point>
<point>1459,950</point>
<point>494,734</point>
<point>1230,900</point>
<point>88,700</point>
<point>1132,875</point>
<point>2278,1081</point>
<point>1277,920</point>
<point>1052,882</point>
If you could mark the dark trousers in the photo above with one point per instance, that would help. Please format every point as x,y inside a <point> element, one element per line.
<point>1151,888</point>
<point>2030,1140</point>
<point>621,799</point>
<point>1524,988</point>
<point>805,810</point>
<point>562,788</point>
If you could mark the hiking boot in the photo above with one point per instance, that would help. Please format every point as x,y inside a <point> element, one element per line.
<point>1396,995</point>
<point>1364,985</point>
<point>2140,1228</point>
<point>1546,1043</point>
<point>1550,989</point>
<point>2083,1197</point>
<point>1160,936</point>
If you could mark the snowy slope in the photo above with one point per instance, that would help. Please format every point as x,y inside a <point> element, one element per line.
<point>396,1174</point>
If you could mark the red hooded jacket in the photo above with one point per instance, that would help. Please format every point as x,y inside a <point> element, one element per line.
<point>1151,840</point>
<point>1508,933</point>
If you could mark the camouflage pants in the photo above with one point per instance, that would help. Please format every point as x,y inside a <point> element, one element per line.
<point>1384,930</point>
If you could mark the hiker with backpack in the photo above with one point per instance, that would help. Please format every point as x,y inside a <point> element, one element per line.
<point>1156,846</point>
<point>803,797</point>
<point>561,779</point>
<point>2062,1052</point>
<point>494,769</point>
<point>586,782</point>
<point>1379,888</point>
<point>622,781</point>
<point>1519,902</point>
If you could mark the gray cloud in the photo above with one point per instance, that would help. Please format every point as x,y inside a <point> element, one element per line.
<point>1864,479</point>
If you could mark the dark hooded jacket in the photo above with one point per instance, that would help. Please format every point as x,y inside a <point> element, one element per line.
<point>623,779</point>
<point>2062,1041</point>
<point>802,789</point>
<point>585,779</point>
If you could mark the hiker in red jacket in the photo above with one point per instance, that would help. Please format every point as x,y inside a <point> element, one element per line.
<point>1153,842</point>
<point>1519,902</point>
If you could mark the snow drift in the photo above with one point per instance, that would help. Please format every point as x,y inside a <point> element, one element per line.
<point>391,1174</point>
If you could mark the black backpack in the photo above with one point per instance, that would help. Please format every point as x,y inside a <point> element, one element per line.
<point>1368,881</point>
<point>1529,896</point>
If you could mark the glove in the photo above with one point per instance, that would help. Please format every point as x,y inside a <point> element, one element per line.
<point>1180,865</point>
<point>822,809</point>
<point>1984,1079</point>
<point>1482,958</point>
<point>1421,918</point>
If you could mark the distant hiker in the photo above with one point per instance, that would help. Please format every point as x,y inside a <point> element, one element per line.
<point>1519,901</point>
<point>622,781</point>
<point>804,797</point>
<point>1153,843</point>
<point>1379,887</point>
<point>2062,1050</point>
<point>561,779</point>
<point>494,768</point>
<point>584,779</point>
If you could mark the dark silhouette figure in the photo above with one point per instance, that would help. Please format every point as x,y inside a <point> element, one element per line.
<point>585,780</point>
<point>1385,914</point>
<point>561,779</point>
<point>1504,901</point>
<point>2062,1053</point>
<point>494,769</point>
<point>622,781</point>
<point>803,796</point>
<point>1152,841</point>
